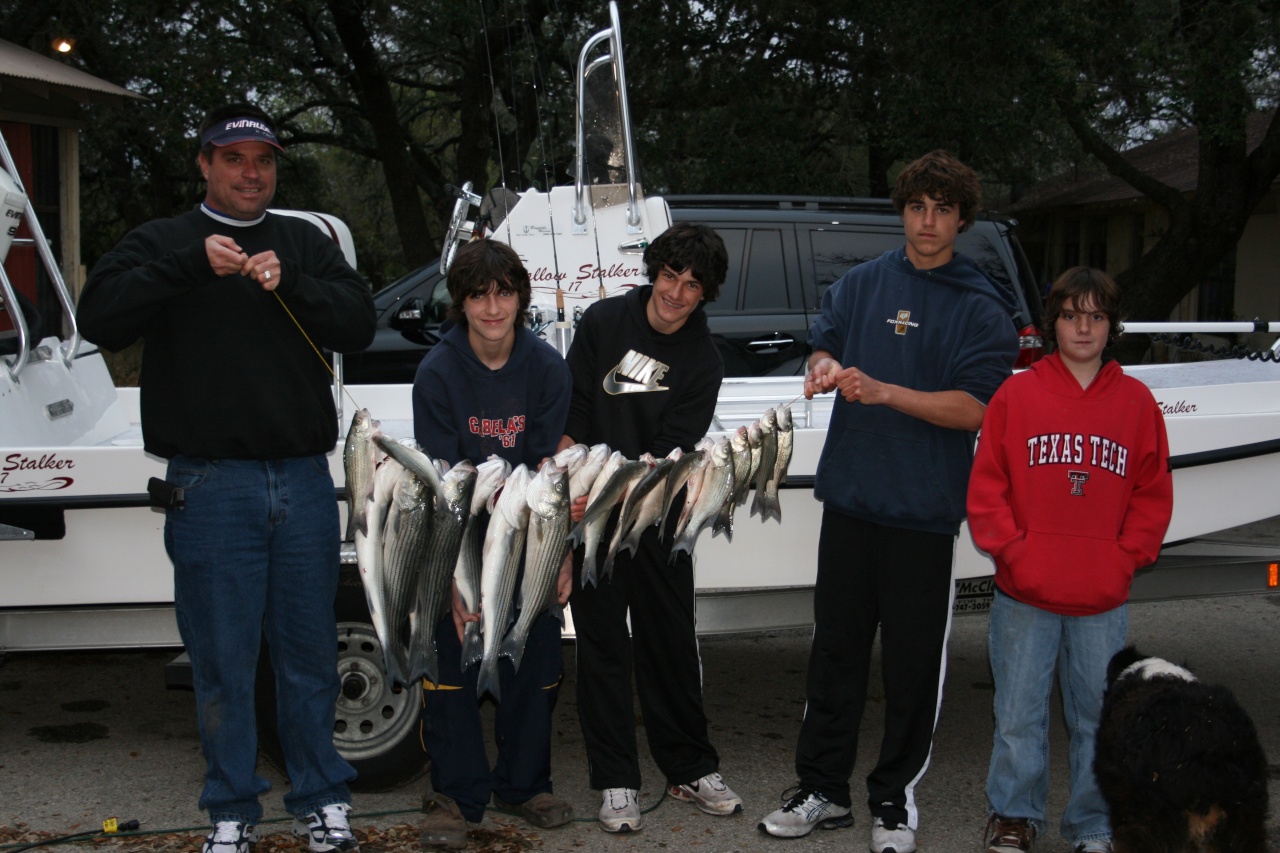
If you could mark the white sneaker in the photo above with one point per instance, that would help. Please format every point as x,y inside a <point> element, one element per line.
<point>230,836</point>
<point>327,829</point>
<point>710,794</point>
<point>900,839</point>
<point>620,811</point>
<point>802,812</point>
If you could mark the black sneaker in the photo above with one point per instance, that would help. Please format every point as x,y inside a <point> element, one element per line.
<point>802,812</point>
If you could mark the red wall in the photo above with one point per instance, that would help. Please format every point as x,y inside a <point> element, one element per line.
<point>20,266</point>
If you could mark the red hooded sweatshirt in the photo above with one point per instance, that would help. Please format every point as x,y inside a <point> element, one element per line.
<point>1070,490</point>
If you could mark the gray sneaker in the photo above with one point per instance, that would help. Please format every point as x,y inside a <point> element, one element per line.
<point>620,811</point>
<point>899,839</point>
<point>802,812</point>
<point>710,794</point>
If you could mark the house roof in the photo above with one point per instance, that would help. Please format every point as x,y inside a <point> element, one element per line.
<point>37,87</point>
<point>1172,159</point>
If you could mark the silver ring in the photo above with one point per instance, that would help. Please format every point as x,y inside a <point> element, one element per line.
<point>266,276</point>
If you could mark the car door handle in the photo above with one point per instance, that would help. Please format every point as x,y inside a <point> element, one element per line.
<point>777,342</point>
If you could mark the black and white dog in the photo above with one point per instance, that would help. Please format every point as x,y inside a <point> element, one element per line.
<point>1178,762</point>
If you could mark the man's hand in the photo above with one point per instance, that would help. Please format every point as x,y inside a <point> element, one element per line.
<point>225,255</point>
<point>263,268</point>
<point>227,258</point>
<point>461,616</point>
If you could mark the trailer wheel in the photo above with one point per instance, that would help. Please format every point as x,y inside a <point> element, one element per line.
<point>375,723</point>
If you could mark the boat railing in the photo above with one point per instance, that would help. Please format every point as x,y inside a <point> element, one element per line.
<point>68,349</point>
<point>586,66</point>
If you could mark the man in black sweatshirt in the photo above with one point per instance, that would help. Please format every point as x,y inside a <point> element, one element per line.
<point>234,396</point>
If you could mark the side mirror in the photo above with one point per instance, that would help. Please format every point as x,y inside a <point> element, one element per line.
<point>409,316</point>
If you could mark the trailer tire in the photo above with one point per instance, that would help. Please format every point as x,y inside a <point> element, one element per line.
<point>375,722</point>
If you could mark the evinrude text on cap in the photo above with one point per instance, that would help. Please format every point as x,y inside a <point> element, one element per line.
<point>242,129</point>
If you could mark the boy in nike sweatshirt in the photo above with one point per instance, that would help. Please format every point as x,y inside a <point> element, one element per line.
<point>646,374</point>
<point>1070,494</point>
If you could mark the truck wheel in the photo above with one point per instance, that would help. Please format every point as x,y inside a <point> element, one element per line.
<point>376,723</point>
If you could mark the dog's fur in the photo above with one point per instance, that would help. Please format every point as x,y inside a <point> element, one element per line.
<point>1178,762</point>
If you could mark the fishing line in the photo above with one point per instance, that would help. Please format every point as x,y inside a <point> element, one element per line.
<point>342,385</point>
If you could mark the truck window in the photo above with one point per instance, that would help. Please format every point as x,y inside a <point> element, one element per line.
<point>766,279</point>
<point>836,252</point>
<point>735,242</point>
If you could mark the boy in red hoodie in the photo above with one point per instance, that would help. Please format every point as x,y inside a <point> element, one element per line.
<point>1070,493</point>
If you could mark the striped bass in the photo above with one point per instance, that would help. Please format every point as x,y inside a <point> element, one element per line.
<point>490,475</point>
<point>369,558</point>
<point>435,584</point>
<point>404,549</point>
<point>500,563</point>
<point>590,530</point>
<point>714,485</point>
<point>359,459</point>
<point>548,499</point>
<point>763,505</point>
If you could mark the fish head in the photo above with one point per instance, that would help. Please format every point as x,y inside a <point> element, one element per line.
<point>572,457</point>
<point>676,453</point>
<point>511,502</point>
<point>548,492</point>
<point>784,418</point>
<point>408,493</point>
<point>755,435</point>
<point>460,481</point>
<point>489,477</point>
<point>769,420</point>
<point>739,441</point>
<point>722,452</point>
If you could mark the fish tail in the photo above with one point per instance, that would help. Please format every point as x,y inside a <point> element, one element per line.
<point>488,679</point>
<point>589,570</point>
<point>472,646</point>
<point>513,648</point>
<point>772,509</point>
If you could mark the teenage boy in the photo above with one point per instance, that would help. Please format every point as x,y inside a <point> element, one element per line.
<point>916,342</point>
<point>1070,494</point>
<point>489,368</point>
<point>646,375</point>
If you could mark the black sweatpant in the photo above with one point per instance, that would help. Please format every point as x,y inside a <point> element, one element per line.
<point>662,649</point>
<point>901,580</point>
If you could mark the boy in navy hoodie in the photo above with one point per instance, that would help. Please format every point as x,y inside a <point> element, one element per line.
<point>915,343</point>
<point>491,387</point>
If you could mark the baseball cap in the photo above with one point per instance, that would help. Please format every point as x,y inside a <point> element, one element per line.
<point>239,129</point>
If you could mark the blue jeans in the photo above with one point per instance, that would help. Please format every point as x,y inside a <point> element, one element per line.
<point>254,551</point>
<point>1024,644</point>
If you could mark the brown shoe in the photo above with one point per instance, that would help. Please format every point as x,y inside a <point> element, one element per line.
<point>444,826</point>
<point>1009,834</point>
<point>544,810</point>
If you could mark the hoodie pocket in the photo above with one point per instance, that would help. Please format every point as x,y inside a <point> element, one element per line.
<point>1074,575</point>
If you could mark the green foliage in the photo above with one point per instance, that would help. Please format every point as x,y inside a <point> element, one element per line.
<point>382,103</point>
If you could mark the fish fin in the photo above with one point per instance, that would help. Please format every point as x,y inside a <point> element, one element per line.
<point>488,679</point>
<point>772,509</point>
<point>472,645</point>
<point>724,521</point>
<point>513,648</point>
<point>576,535</point>
<point>588,570</point>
